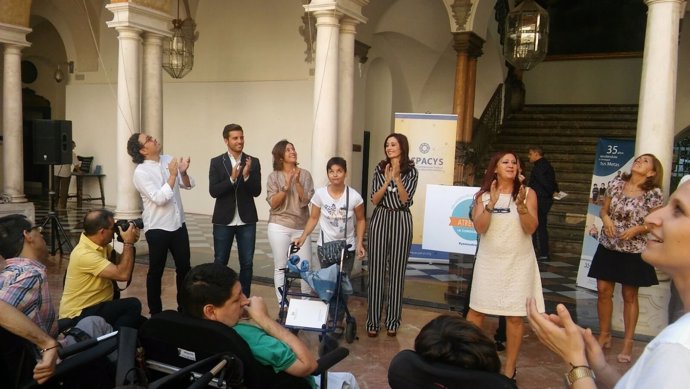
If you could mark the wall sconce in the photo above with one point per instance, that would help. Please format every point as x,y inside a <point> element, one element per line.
<point>527,35</point>
<point>59,75</point>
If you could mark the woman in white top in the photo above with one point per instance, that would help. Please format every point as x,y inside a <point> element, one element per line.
<point>665,361</point>
<point>328,209</point>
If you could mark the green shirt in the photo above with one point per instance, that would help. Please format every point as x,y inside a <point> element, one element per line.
<point>268,350</point>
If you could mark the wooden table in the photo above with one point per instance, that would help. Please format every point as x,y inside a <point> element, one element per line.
<point>80,187</point>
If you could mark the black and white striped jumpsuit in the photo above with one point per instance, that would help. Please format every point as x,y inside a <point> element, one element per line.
<point>390,236</point>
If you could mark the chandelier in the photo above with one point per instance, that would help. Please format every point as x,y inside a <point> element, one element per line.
<point>527,35</point>
<point>178,55</point>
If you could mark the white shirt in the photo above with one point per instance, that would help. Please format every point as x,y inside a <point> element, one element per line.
<point>665,362</point>
<point>236,220</point>
<point>332,219</point>
<point>162,204</point>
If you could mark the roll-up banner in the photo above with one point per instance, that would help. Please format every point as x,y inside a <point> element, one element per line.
<point>432,149</point>
<point>614,157</point>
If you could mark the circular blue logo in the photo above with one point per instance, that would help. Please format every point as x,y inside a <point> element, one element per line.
<point>460,220</point>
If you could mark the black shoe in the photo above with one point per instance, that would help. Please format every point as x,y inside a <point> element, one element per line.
<point>500,346</point>
<point>543,258</point>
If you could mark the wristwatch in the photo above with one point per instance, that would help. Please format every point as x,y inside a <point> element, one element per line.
<point>284,188</point>
<point>578,372</point>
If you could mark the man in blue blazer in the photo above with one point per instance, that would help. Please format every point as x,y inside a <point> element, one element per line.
<point>234,181</point>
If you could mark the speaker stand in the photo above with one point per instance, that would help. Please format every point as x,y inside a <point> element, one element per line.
<point>58,236</point>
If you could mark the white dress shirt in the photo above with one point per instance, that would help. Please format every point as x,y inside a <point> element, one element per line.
<point>162,204</point>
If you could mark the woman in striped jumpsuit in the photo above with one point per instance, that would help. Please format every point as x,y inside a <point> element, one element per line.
<point>390,233</point>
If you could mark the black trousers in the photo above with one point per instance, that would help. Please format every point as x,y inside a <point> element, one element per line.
<point>118,313</point>
<point>160,242</point>
<point>540,238</point>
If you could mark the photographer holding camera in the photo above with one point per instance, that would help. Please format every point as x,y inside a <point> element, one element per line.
<point>89,287</point>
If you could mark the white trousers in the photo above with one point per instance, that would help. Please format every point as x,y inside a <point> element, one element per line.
<point>280,237</point>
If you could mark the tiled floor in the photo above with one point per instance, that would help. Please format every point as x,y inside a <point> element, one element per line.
<point>430,290</point>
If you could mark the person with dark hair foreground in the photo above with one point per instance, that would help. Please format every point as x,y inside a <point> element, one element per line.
<point>665,361</point>
<point>455,341</point>
<point>89,289</point>
<point>212,292</point>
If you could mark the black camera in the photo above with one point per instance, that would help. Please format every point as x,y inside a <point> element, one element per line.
<point>124,224</point>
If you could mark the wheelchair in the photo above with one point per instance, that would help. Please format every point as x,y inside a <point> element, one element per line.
<point>84,364</point>
<point>173,342</point>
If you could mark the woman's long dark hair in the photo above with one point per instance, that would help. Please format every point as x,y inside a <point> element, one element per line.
<point>405,164</point>
<point>653,181</point>
<point>489,176</point>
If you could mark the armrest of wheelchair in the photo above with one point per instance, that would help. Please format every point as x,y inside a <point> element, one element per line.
<point>81,355</point>
<point>329,360</point>
<point>68,351</point>
<point>205,378</point>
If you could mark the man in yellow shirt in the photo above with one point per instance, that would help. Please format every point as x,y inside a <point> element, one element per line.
<point>89,281</point>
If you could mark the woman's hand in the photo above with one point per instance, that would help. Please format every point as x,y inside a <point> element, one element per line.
<point>522,195</point>
<point>609,228</point>
<point>494,194</point>
<point>559,333</point>
<point>632,232</point>
<point>395,170</point>
<point>388,173</point>
<point>299,241</point>
<point>361,252</point>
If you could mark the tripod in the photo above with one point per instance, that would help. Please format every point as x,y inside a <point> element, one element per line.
<point>58,236</point>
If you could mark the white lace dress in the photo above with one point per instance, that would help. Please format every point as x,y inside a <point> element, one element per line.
<point>506,270</point>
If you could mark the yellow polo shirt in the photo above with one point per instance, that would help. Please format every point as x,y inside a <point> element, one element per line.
<point>83,286</point>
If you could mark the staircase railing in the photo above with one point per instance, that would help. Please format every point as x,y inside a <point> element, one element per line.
<point>488,126</point>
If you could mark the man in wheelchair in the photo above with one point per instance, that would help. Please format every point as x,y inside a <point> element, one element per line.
<point>24,286</point>
<point>212,292</point>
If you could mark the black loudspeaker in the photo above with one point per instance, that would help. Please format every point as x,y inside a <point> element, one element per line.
<point>52,142</point>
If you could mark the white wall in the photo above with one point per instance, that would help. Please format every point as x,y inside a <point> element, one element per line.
<point>601,81</point>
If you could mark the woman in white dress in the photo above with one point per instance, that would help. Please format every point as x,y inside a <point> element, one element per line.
<point>506,271</point>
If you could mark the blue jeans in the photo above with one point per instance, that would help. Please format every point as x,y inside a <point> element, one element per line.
<point>246,240</point>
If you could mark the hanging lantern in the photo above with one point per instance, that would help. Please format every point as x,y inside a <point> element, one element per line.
<point>527,35</point>
<point>178,56</point>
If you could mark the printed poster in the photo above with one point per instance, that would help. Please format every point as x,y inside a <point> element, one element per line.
<point>447,224</point>
<point>432,149</point>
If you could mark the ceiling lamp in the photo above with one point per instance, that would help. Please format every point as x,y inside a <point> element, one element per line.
<point>527,35</point>
<point>178,55</point>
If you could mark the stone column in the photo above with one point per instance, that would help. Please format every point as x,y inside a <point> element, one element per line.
<point>13,157</point>
<point>128,118</point>
<point>131,20</point>
<point>324,136</point>
<point>468,45</point>
<point>152,93</point>
<point>655,121</point>
<point>346,89</point>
